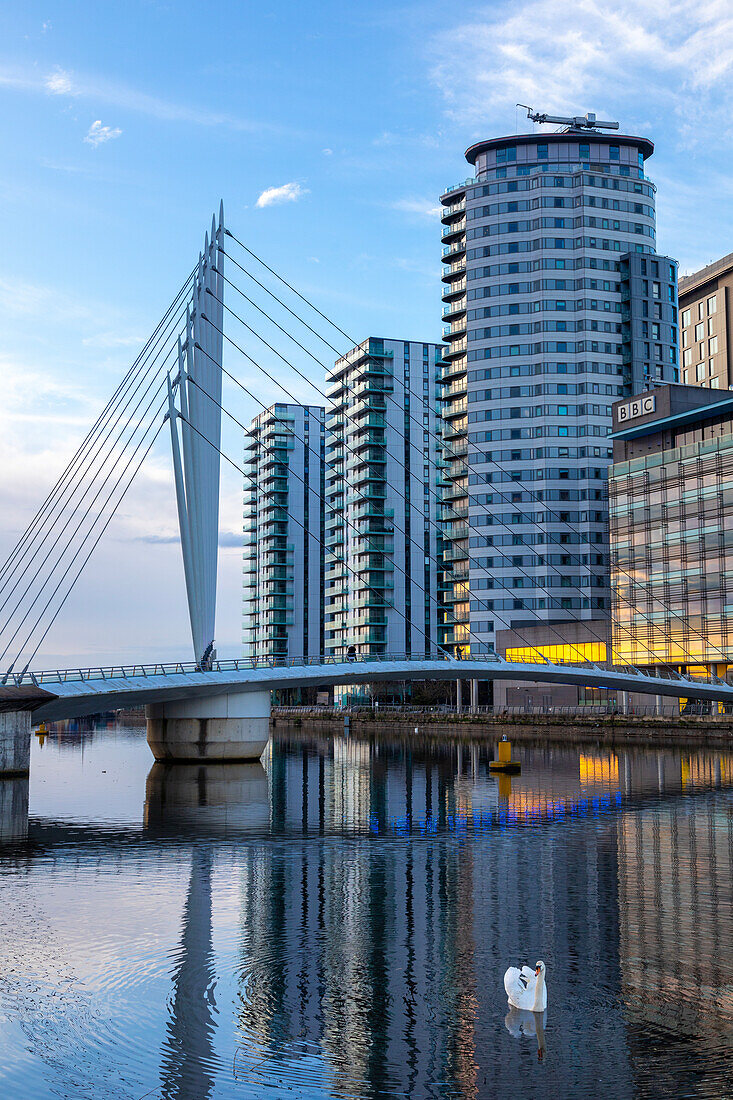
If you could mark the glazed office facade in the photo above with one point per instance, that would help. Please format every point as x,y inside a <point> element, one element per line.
<point>283,533</point>
<point>383,457</point>
<point>671,522</point>
<point>534,312</point>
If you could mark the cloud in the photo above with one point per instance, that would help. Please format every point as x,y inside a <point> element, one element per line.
<point>47,26</point>
<point>59,82</point>
<point>99,134</point>
<point>289,192</point>
<point>589,57</point>
<point>112,340</point>
<point>111,93</point>
<point>327,152</point>
<point>424,208</point>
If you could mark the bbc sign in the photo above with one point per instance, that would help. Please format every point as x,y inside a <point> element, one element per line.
<point>641,407</point>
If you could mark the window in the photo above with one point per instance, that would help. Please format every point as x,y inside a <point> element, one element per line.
<point>686,317</point>
<point>542,152</point>
<point>584,152</point>
<point>712,303</point>
<point>614,152</point>
<point>700,331</point>
<point>700,373</point>
<point>712,345</point>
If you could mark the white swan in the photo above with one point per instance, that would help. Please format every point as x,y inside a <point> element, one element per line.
<point>526,989</point>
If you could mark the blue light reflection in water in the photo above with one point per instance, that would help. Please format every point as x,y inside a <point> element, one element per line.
<point>336,921</point>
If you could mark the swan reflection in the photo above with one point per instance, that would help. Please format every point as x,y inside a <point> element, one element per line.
<point>521,1023</point>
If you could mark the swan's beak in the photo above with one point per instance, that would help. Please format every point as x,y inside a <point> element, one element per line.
<point>537,970</point>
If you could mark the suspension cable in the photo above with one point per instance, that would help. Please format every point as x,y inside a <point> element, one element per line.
<point>499,467</point>
<point>95,426</point>
<point>331,508</point>
<point>74,482</point>
<point>90,552</point>
<point>50,577</point>
<point>486,604</point>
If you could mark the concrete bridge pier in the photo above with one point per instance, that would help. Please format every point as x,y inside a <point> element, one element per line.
<point>15,742</point>
<point>212,728</point>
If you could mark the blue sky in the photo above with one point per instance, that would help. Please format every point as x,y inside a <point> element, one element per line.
<point>122,126</point>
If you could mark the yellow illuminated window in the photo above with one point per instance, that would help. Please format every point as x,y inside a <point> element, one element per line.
<point>568,654</point>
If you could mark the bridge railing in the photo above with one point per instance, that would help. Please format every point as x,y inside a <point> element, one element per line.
<point>174,668</point>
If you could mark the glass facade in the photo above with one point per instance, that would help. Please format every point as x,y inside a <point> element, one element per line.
<point>671,522</point>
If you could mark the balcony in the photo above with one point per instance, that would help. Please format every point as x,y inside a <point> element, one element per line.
<point>458,248</point>
<point>457,328</point>
<point>368,438</point>
<point>454,271</point>
<point>376,634</point>
<point>453,228</point>
<point>454,408</point>
<point>370,403</point>
<point>454,308</point>
<point>453,289</point>
<point>455,187</point>
<point>453,210</point>
<point>372,386</point>
<point>372,420</point>
<point>366,473</point>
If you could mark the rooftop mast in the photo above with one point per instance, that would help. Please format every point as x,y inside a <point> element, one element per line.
<point>579,122</point>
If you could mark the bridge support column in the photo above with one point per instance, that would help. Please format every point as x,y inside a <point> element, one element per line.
<point>214,728</point>
<point>15,742</point>
<point>459,696</point>
<point>474,696</point>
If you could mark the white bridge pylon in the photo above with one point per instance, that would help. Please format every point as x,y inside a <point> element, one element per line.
<point>196,440</point>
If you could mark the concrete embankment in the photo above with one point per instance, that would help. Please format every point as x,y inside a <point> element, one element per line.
<point>697,732</point>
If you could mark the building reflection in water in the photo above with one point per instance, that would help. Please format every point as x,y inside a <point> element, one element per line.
<point>380,959</point>
<point>203,802</point>
<point>388,958</point>
<point>675,942</point>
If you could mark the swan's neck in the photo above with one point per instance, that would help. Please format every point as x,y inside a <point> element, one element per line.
<point>539,987</point>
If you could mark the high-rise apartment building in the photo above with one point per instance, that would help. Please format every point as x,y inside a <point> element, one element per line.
<point>283,533</point>
<point>706,325</point>
<point>383,465</point>
<point>551,288</point>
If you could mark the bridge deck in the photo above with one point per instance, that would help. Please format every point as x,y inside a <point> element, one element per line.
<point>73,693</point>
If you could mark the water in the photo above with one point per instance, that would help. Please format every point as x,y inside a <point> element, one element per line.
<point>336,922</point>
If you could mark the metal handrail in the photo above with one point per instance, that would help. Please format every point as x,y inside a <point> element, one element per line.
<point>243,663</point>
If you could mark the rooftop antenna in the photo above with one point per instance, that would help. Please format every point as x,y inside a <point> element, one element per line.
<point>579,122</point>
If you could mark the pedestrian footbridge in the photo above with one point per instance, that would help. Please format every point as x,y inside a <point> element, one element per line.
<point>71,693</point>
